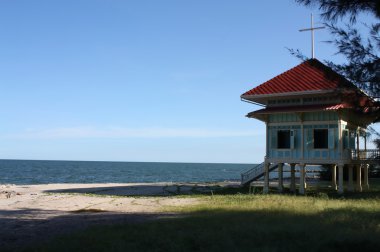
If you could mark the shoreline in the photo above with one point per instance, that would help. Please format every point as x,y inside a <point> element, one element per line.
<point>121,189</point>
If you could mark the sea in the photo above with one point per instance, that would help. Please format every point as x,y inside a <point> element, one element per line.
<point>24,172</point>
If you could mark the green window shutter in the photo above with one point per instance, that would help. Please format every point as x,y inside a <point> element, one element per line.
<point>292,139</point>
<point>331,138</point>
<point>309,138</point>
<point>345,139</point>
<point>352,140</point>
<point>273,139</point>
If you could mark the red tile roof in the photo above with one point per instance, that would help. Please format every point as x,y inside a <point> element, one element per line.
<point>311,75</point>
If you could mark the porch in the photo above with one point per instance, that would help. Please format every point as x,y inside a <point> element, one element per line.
<point>371,156</point>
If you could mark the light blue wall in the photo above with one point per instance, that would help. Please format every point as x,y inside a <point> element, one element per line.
<point>310,116</point>
<point>331,152</point>
<point>308,141</point>
<point>284,153</point>
<point>278,118</point>
<point>320,116</point>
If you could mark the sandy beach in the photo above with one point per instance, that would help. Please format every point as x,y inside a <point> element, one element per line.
<point>34,213</point>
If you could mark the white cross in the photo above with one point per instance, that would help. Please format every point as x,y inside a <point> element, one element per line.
<point>312,34</point>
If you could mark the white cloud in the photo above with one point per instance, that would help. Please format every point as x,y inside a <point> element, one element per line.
<point>122,132</point>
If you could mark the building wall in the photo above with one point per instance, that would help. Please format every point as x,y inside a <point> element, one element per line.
<point>333,142</point>
<point>302,145</point>
<point>294,152</point>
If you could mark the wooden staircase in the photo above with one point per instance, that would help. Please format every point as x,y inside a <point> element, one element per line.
<point>255,173</point>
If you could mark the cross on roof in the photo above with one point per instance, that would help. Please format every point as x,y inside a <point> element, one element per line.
<point>312,28</point>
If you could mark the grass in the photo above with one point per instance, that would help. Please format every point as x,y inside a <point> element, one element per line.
<point>232,221</point>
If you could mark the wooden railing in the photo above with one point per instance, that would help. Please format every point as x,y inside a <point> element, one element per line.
<point>255,173</point>
<point>365,154</point>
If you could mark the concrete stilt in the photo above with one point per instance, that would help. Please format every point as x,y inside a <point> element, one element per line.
<point>358,178</point>
<point>350,178</point>
<point>302,179</point>
<point>266,178</point>
<point>333,177</point>
<point>292,177</point>
<point>365,175</point>
<point>305,176</point>
<point>280,177</point>
<point>340,187</point>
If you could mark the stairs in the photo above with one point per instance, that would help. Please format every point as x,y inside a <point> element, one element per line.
<point>255,173</point>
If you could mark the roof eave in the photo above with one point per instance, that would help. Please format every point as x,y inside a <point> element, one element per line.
<point>297,109</point>
<point>261,117</point>
<point>287,94</point>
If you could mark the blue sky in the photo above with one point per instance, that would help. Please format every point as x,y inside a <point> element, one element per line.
<point>142,80</point>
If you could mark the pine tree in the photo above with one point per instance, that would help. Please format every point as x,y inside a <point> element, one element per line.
<point>362,53</point>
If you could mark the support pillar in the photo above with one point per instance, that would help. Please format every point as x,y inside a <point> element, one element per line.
<point>340,178</point>
<point>266,178</point>
<point>305,176</point>
<point>302,179</point>
<point>280,177</point>
<point>357,144</point>
<point>365,174</point>
<point>292,177</point>
<point>350,178</point>
<point>358,178</point>
<point>333,177</point>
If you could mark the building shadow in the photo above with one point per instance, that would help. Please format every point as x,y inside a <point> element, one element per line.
<point>28,226</point>
<point>215,230</point>
<point>152,190</point>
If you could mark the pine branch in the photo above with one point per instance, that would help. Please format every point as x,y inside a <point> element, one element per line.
<point>338,9</point>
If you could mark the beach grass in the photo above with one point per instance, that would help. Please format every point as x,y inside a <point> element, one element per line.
<point>321,221</point>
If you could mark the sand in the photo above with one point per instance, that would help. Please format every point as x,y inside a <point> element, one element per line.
<point>35,213</point>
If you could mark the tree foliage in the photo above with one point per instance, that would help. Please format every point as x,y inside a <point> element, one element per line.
<point>361,51</point>
<point>363,67</point>
<point>334,9</point>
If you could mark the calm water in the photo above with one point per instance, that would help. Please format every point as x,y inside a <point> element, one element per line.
<point>43,172</point>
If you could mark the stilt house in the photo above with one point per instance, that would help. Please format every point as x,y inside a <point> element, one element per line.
<point>313,116</point>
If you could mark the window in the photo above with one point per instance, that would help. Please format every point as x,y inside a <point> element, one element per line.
<point>321,138</point>
<point>283,137</point>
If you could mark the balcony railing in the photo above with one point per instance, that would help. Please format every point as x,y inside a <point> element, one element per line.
<point>365,154</point>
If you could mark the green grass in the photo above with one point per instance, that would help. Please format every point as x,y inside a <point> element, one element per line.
<point>322,221</point>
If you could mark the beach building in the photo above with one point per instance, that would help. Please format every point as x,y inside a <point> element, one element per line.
<point>313,116</point>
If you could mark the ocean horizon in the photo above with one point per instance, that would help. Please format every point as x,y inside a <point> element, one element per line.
<point>22,172</point>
